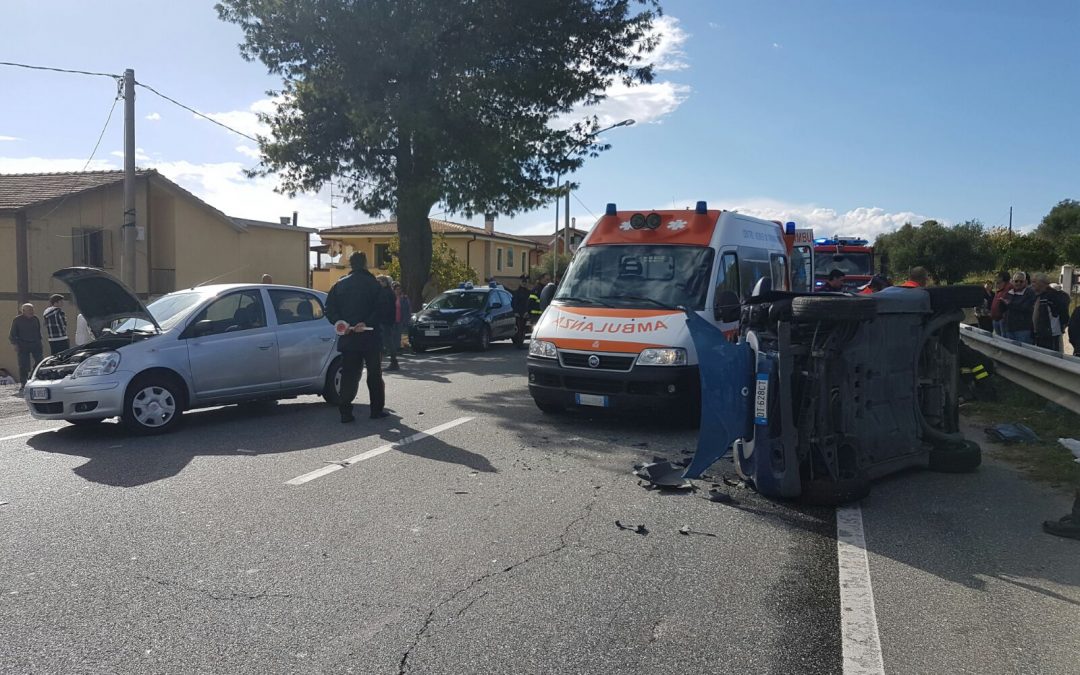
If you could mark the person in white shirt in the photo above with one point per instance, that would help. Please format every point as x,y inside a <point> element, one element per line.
<point>82,331</point>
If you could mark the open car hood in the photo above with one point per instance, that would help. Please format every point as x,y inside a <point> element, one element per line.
<point>102,298</point>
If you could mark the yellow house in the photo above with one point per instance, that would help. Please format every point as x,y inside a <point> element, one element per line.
<point>56,220</point>
<point>492,254</point>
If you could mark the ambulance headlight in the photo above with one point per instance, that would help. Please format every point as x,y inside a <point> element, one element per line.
<point>637,221</point>
<point>662,357</point>
<point>543,350</point>
<point>652,221</point>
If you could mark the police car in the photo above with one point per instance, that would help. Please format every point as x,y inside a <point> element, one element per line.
<point>465,316</point>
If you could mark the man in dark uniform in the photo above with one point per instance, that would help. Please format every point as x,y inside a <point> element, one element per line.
<point>356,300</point>
<point>520,305</point>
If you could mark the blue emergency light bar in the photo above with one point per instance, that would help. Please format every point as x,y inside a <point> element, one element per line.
<point>610,210</point>
<point>789,227</point>
<point>841,241</point>
<point>702,207</point>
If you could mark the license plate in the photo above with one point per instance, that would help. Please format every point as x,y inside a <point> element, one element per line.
<point>432,333</point>
<point>39,394</point>
<point>761,399</point>
<point>592,399</point>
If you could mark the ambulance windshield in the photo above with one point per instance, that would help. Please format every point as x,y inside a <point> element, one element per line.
<point>639,276</point>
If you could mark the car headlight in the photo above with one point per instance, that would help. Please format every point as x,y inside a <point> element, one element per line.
<point>104,363</point>
<point>466,320</point>
<point>543,350</point>
<point>662,357</point>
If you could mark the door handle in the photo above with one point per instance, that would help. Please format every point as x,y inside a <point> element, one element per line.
<point>265,347</point>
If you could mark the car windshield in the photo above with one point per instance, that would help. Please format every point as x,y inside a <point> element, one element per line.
<point>459,300</point>
<point>639,276</point>
<point>167,310</point>
<point>858,264</point>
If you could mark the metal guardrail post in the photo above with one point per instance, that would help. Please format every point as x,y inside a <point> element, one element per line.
<point>1049,374</point>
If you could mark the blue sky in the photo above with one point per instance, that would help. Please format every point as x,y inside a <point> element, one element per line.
<point>852,117</point>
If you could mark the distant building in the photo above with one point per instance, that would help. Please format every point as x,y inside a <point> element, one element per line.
<point>490,253</point>
<point>549,241</point>
<point>49,221</point>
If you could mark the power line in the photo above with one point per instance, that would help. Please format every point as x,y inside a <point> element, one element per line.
<point>583,204</point>
<point>58,70</point>
<point>196,112</point>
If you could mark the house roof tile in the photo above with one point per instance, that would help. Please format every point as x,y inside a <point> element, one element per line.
<point>22,190</point>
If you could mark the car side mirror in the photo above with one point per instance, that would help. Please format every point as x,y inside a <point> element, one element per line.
<point>727,308</point>
<point>424,306</point>
<point>201,328</point>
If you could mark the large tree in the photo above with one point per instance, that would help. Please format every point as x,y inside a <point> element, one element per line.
<point>406,104</point>
<point>948,253</point>
<point>1063,220</point>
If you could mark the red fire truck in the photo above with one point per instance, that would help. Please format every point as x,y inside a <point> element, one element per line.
<point>851,255</point>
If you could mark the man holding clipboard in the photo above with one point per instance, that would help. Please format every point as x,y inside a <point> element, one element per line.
<point>353,306</point>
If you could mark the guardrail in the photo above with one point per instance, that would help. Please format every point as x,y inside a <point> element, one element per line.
<point>1052,375</point>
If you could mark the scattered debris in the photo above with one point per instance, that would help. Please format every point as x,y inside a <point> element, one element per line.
<point>1073,446</point>
<point>247,452</point>
<point>685,529</point>
<point>637,529</point>
<point>461,492</point>
<point>4,503</point>
<point>419,413</point>
<point>1012,433</point>
<point>664,474</point>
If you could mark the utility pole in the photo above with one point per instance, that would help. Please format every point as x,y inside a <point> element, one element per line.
<point>1010,220</point>
<point>566,223</point>
<point>127,262</point>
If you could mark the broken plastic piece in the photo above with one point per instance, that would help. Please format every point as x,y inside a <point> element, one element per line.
<point>1012,433</point>
<point>664,474</point>
<point>1072,445</point>
<point>721,497</point>
<point>637,529</point>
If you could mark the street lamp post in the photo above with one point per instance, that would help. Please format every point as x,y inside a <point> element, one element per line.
<point>558,178</point>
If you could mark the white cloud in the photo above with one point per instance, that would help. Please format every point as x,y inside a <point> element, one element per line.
<point>140,155</point>
<point>9,138</point>
<point>863,221</point>
<point>247,121</point>
<point>154,117</point>
<point>669,54</point>
<point>249,151</point>
<point>51,165</point>
<point>777,45</point>
<point>643,103</point>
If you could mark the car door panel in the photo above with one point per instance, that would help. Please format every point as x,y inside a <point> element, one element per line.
<point>306,340</point>
<point>239,358</point>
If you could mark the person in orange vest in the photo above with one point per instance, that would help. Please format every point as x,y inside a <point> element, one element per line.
<point>916,278</point>
<point>875,284</point>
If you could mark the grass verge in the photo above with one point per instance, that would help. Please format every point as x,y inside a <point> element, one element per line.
<point>1047,460</point>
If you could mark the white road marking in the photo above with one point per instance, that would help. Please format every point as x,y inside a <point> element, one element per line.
<point>25,434</point>
<point>337,466</point>
<point>858,620</point>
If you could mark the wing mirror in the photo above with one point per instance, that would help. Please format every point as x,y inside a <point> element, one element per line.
<point>727,308</point>
<point>201,328</point>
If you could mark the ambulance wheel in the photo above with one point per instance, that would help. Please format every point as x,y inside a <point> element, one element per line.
<point>825,492</point>
<point>811,308</point>
<point>963,457</point>
<point>948,298</point>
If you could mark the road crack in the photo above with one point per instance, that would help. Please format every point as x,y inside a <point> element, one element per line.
<point>421,634</point>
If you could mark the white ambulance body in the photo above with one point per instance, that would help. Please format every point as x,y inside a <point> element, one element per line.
<point>615,335</point>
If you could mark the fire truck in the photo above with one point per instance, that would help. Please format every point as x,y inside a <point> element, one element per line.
<point>853,256</point>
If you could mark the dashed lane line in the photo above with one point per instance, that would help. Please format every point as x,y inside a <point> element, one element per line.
<point>858,619</point>
<point>337,466</point>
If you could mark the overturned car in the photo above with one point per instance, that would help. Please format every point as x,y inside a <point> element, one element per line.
<point>837,390</point>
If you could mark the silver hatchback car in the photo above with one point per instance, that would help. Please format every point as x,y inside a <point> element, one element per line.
<point>206,346</point>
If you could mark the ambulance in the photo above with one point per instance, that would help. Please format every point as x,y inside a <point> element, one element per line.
<point>615,334</point>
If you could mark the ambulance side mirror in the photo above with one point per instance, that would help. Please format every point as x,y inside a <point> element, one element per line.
<point>726,307</point>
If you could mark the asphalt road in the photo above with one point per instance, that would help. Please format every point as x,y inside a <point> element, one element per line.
<point>490,547</point>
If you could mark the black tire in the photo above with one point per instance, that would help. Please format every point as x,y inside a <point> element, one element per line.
<point>549,408</point>
<point>417,347</point>
<point>484,343</point>
<point>961,458</point>
<point>332,386</point>
<point>833,493</point>
<point>822,308</point>
<point>949,298</point>
<point>88,422</point>
<point>143,394</point>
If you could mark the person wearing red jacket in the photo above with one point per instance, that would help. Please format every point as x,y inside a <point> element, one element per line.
<point>1002,286</point>
<point>917,278</point>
